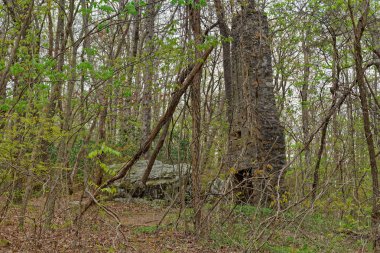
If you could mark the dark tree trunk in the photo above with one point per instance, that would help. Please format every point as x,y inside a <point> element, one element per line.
<point>195,21</point>
<point>256,146</point>
<point>358,30</point>
<point>224,31</point>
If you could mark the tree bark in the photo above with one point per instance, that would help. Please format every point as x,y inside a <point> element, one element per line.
<point>225,32</point>
<point>155,153</point>
<point>305,104</point>
<point>195,94</point>
<point>256,146</point>
<point>52,107</point>
<point>148,74</point>
<point>358,29</point>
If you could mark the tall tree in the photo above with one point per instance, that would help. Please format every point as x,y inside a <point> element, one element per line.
<point>195,21</point>
<point>359,26</point>
<point>256,141</point>
<point>149,73</point>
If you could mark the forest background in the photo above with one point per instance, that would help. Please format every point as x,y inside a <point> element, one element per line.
<point>87,84</point>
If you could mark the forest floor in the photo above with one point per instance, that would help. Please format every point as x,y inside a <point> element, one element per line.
<point>136,230</point>
<point>133,227</point>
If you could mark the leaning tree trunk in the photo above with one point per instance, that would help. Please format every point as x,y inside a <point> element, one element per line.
<point>256,147</point>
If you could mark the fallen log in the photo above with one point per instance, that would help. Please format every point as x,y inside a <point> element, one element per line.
<point>174,101</point>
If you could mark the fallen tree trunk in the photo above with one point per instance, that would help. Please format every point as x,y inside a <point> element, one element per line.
<point>176,96</point>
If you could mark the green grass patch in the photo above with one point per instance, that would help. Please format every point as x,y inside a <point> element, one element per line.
<point>146,229</point>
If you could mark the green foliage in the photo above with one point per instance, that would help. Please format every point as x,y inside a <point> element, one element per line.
<point>110,190</point>
<point>31,139</point>
<point>146,229</point>
<point>98,156</point>
<point>200,4</point>
<point>130,8</point>
<point>103,150</point>
<point>106,8</point>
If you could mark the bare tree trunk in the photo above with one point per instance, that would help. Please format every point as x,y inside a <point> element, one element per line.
<point>54,104</point>
<point>359,28</point>
<point>195,22</point>
<point>148,74</point>
<point>256,146</point>
<point>305,105</point>
<point>336,71</point>
<point>315,184</point>
<point>334,89</point>
<point>156,151</point>
<point>127,103</point>
<point>67,121</point>
<point>224,31</point>
<point>103,101</point>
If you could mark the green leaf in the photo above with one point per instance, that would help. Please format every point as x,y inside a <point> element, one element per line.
<point>86,11</point>
<point>4,107</point>
<point>90,51</point>
<point>130,8</point>
<point>127,93</point>
<point>110,190</point>
<point>94,153</point>
<point>85,65</point>
<point>17,69</point>
<point>104,74</point>
<point>110,151</point>
<point>106,8</point>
